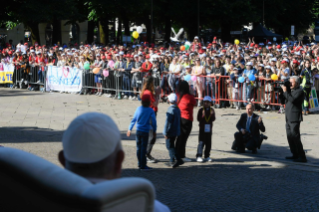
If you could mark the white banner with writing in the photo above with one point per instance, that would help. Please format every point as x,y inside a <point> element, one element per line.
<point>64,79</point>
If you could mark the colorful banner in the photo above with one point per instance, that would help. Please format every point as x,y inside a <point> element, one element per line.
<point>6,73</point>
<point>313,100</point>
<point>63,79</point>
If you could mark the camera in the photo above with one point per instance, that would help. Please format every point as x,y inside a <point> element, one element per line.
<point>278,84</point>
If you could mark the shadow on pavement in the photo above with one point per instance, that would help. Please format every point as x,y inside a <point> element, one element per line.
<point>29,134</point>
<point>232,187</point>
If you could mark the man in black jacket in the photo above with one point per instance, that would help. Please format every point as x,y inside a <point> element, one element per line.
<point>248,126</point>
<point>293,100</point>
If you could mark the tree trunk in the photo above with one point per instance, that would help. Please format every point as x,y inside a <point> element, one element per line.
<point>90,32</point>
<point>225,28</point>
<point>148,29</point>
<point>104,31</point>
<point>126,25</point>
<point>119,31</point>
<point>167,29</point>
<point>56,34</point>
<point>35,35</point>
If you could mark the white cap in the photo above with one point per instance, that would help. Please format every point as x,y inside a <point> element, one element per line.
<point>196,37</point>
<point>121,53</point>
<point>268,67</point>
<point>207,99</point>
<point>172,98</point>
<point>261,65</point>
<point>249,64</point>
<point>274,59</point>
<point>90,138</point>
<point>32,50</point>
<point>60,48</point>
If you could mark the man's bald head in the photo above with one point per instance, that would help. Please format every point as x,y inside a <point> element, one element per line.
<point>250,109</point>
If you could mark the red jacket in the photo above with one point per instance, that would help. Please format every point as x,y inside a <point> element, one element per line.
<point>146,68</point>
<point>152,99</point>
<point>186,105</point>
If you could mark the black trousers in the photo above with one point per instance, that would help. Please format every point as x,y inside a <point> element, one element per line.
<point>293,136</point>
<point>186,128</point>
<point>239,143</point>
<point>205,140</point>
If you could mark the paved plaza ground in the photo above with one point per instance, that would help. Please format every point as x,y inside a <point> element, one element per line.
<point>35,121</point>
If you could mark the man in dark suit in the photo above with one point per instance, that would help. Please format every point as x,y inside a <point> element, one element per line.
<point>248,126</point>
<point>293,100</point>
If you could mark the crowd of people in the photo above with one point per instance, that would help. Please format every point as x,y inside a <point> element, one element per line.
<point>214,69</point>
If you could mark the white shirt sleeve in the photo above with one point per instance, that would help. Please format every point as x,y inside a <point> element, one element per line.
<point>160,207</point>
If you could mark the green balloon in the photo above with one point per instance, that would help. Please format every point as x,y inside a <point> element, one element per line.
<point>87,66</point>
<point>186,47</point>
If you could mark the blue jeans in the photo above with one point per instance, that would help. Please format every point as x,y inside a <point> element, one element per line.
<point>41,76</point>
<point>170,145</point>
<point>248,93</point>
<point>141,144</point>
<point>210,89</point>
<point>126,85</point>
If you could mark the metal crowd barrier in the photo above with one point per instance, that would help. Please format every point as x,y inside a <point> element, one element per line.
<point>32,77</point>
<point>260,91</point>
<point>219,88</point>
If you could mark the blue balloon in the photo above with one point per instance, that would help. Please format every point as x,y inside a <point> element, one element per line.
<point>241,79</point>
<point>187,77</point>
<point>251,77</point>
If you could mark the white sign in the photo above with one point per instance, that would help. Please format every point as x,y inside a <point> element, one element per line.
<point>292,30</point>
<point>63,79</point>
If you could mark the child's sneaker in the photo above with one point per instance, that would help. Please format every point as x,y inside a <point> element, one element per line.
<point>187,159</point>
<point>199,159</point>
<point>208,159</point>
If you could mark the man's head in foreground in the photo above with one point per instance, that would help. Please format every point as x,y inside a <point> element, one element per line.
<point>92,147</point>
<point>250,109</point>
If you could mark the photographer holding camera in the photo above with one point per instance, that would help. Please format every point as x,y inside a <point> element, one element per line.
<point>249,136</point>
<point>293,99</point>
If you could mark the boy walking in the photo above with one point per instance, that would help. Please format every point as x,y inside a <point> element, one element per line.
<point>205,117</point>
<point>142,117</point>
<point>172,130</point>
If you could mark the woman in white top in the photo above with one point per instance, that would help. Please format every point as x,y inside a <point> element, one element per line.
<point>198,71</point>
<point>174,72</point>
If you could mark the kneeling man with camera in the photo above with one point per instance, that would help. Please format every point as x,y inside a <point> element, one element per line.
<point>249,136</point>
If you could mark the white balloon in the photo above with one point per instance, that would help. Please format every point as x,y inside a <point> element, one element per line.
<point>139,29</point>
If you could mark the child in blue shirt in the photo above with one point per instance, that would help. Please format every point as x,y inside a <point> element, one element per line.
<point>142,117</point>
<point>172,130</point>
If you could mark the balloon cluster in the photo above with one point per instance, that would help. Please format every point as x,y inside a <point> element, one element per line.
<point>186,46</point>
<point>137,33</point>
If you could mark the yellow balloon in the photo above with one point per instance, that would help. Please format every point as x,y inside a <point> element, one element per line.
<point>135,34</point>
<point>236,41</point>
<point>287,39</point>
<point>274,77</point>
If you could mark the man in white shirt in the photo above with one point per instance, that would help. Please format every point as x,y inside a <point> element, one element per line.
<point>92,149</point>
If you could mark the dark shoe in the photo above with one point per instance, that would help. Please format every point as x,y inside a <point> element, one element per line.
<point>240,150</point>
<point>150,159</point>
<point>178,163</point>
<point>146,168</point>
<point>291,157</point>
<point>254,151</point>
<point>170,164</point>
<point>301,160</point>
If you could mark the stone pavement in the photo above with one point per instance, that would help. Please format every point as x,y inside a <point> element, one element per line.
<point>34,122</point>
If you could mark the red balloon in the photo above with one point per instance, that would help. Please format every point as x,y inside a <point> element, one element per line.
<point>182,48</point>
